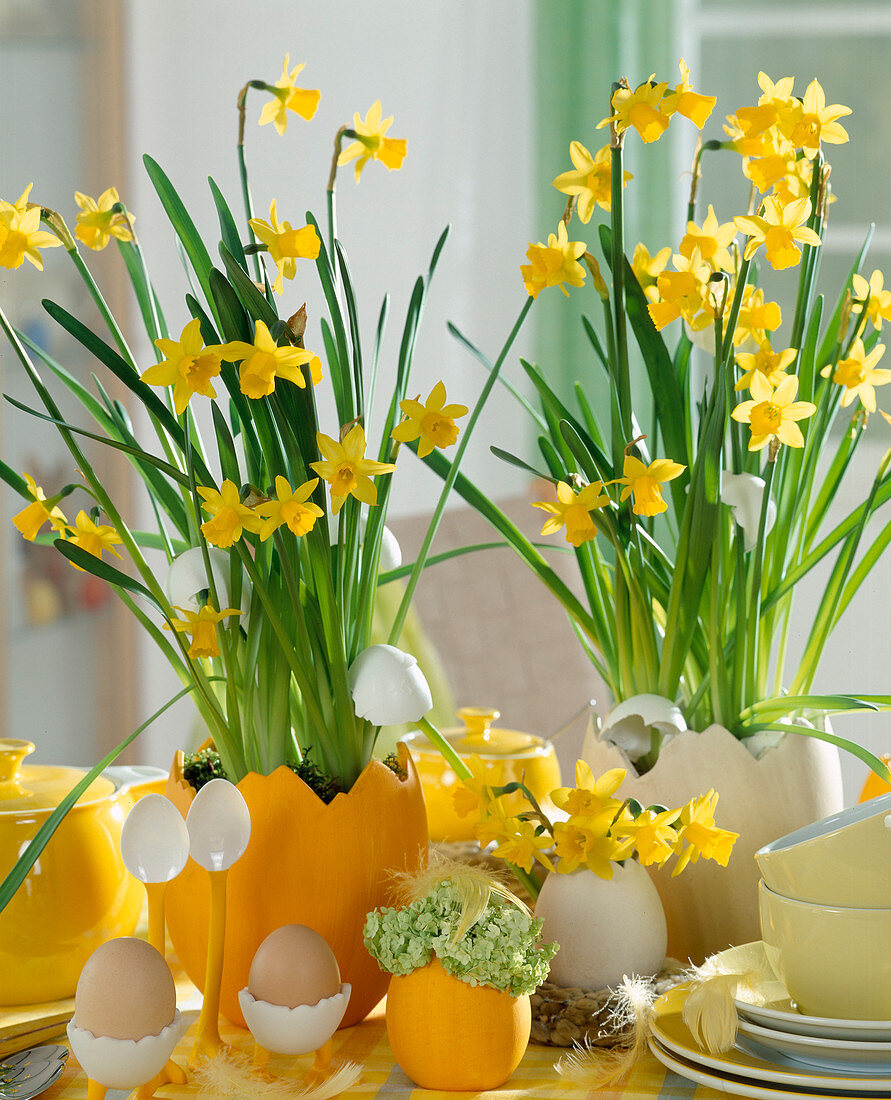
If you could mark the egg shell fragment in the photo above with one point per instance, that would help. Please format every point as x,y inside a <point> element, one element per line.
<point>124,1063</point>
<point>293,966</point>
<point>294,1031</point>
<point>125,991</point>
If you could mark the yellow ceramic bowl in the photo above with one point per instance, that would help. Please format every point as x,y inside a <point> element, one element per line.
<point>834,961</point>
<point>78,894</point>
<point>521,755</point>
<point>844,859</point>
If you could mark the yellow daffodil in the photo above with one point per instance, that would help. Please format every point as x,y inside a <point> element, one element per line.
<point>643,109</point>
<point>653,834</point>
<point>21,236</point>
<point>778,229</point>
<point>97,224</point>
<point>698,835</point>
<point>590,797</point>
<point>433,423</point>
<point>202,627</point>
<point>647,268</point>
<point>20,205</point>
<point>809,122</point>
<point>684,101</point>
<point>776,98</point>
<point>517,841</point>
<point>347,470</point>
<point>645,483</point>
<point>33,516</point>
<point>878,307</point>
<point>576,845</point>
<point>796,183</point>
<point>188,366</point>
<point>286,244</point>
<point>264,361</point>
<point>772,413</point>
<point>371,144</point>
<point>756,317</point>
<point>288,97</point>
<point>93,537</point>
<point>858,374</point>
<point>554,263</point>
<point>765,361</point>
<point>683,293</point>
<point>229,516</point>
<point>475,794</point>
<point>572,510</point>
<point>291,507</point>
<point>590,181</point>
<point>712,240</point>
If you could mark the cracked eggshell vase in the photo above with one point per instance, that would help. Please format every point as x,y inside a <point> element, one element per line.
<point>522,755</point>
<point>325,866</point>
<point>791,784</point>
<point>78,894</point>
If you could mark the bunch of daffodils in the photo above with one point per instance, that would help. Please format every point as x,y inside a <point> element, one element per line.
<point>594,829</point>
<point>257,579</point>
<point>696,491</point>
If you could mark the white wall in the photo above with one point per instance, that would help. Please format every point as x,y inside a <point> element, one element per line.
<point>455,74</point>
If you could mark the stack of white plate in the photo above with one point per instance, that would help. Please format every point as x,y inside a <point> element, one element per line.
<point>780,1053</point>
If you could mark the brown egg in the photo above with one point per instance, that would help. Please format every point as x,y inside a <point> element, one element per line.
<point>293,966</point>
<point>125,991</point>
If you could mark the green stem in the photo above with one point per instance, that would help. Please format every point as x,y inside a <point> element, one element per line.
<point>449,755</point>
<point>754,603</point>
<point>617,243</point>
<point>242,170</point>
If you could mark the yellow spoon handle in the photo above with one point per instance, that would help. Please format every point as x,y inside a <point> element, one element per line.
<point>208,1041</point>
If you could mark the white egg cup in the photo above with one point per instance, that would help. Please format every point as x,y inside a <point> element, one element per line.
<point>124,1063</point>
<point>294,1031</point>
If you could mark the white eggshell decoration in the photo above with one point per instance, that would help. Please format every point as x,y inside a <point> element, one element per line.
<point>297,1030</point>
<point>124,1063</point>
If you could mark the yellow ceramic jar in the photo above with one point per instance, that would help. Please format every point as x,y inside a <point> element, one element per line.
<point>522,756</point>
<point>78,894</point>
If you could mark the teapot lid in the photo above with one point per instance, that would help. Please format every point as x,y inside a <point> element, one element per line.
<point>478,735</point>
<point>39,786</point>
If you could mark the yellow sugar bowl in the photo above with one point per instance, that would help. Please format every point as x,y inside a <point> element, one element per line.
<point>522,756</point>
<point>78,894</point>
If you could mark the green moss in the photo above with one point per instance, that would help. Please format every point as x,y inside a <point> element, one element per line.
<point>202,766</point>
<point>502,949</point>
<point>317,780</point>
<point>392,762</point>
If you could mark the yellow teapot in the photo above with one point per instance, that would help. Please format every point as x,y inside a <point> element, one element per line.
<point>78,894</point>
<point>522,755</point>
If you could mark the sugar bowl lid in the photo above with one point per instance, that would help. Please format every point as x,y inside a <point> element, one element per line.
<point>34,787</point>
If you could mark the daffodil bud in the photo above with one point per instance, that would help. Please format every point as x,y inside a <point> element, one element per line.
<point>743,493</point>
<point>187,576</point>
<point>388,687</point>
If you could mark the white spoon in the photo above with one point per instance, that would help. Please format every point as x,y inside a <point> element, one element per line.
<point>219,825</point>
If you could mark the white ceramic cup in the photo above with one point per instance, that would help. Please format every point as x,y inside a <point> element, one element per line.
<point>834,961</point>
<point>842,860</point>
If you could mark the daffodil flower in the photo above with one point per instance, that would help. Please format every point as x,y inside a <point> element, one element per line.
<point>33,516</point>
<point>712,240</point>
<point>475,794</point>
<point>286,245</point>
<point>93,537</point>
<point>683,293</point>
<point>21,236</point>
<point>771,364</point>
<point>347,470</point>
<point>388,686</point>
<point>591,181</point>
<point>290,507</point>
<point>642,109</point>
<point>230,518</point>
<point>653,834</point>
<point>553,264</point>
<point>778,229</point>
<point>97,224</point>
<point>773,413</point>
<point>433,423</point>
<point>288,97</point>
<point>647,268</point>
<point>186,579</point>
<point>517,841</point>
<point>202,627</point>
<point>572,510</point>
<point>698,835</point>
<point>859,375</point>
<point>188,366</point>
<point>645,483</point>
<point>876,299</point>
<point>590,797</point>
<point>684,101</point>
<point>264,361</point>
<point>756,317</point>
<point>371,144</point>
<point>810,122</point>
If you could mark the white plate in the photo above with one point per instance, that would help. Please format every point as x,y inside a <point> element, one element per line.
<point>739,1086</point>
<point>771,1068</point>
<point>845,1055</point>
<point>783,1016</point>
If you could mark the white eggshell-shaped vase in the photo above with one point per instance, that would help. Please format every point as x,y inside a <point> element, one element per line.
<point>606,928</point>
<point>124,1063</point>
<point>294,1031</point>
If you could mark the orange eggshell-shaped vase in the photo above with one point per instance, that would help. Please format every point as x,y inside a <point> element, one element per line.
<point>448,1035</point>
<point>325,866</point>
<point>875,785</point>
